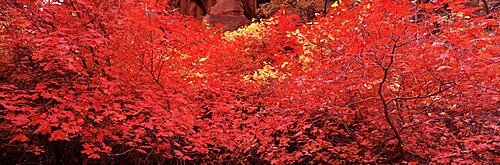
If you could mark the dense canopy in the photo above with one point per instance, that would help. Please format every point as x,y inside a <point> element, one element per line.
<point>127,81</point>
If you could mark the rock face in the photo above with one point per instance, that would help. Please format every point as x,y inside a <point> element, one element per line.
<point>230,13</point>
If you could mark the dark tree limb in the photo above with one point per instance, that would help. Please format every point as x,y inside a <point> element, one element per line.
<point>385,104</point>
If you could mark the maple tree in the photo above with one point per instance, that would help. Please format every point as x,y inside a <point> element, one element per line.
<point>368,82</point>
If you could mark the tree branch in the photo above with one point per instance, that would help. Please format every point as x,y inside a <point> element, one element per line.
<point>422,96</point>
<point>384,101</point>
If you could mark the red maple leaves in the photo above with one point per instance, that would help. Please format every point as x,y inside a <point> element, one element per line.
<point>19,138</point>
<point>58,135</point>
<point>372,82</point>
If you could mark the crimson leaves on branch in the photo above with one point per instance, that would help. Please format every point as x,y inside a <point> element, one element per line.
<point>371,81</point>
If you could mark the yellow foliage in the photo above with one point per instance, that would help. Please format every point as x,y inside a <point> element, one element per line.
<point>203,59</point>
<point>335,4</point>
<point>254,30</point>
<point>307,46</point>
<point>265,73</point>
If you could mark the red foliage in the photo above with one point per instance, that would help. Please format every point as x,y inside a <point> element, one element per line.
<point>384,81</point>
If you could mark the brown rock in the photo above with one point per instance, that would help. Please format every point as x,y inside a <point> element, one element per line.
<point>229,13</point>
<point>232,14</point>
<point>195,8</point>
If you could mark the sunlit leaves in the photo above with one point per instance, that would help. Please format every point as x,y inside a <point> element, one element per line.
<point>128,79</point>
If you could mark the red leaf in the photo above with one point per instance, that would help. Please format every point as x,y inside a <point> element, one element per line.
<point>88,149</point>
<point>41,86</point>
<point>46,94</point>
<point>178,153</point>
<point>94,156</point>
<point>141,151</point>
<point>58,135</point>
<point>19,138</point>
<point>43,129</point>
<point>20,119</point>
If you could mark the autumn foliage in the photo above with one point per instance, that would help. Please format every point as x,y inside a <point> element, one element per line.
<point>381,81</point>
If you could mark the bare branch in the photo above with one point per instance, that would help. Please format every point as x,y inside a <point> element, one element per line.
<point>440,90</point>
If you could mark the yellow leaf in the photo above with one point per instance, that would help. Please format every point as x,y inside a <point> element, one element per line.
<point>203,59</point>
<point>335,4</point>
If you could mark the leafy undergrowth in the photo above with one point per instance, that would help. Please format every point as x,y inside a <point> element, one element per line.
<point>112,82</point>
